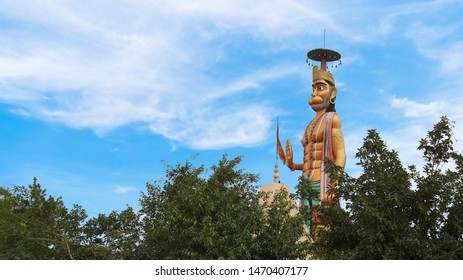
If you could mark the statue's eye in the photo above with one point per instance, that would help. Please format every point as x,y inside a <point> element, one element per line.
<point>320,88</point>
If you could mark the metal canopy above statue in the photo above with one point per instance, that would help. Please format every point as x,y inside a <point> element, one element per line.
<point>323,55</point>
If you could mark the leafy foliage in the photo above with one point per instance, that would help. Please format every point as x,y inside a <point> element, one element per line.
<point>282,233</point>
<point>397,213</point>
<point>191,216</point>
<point>113,236</point>
<point>219,217</point>
<point>33,226</point>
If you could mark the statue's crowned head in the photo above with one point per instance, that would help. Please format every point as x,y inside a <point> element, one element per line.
<point>324,91</point>
<point>319,74</point>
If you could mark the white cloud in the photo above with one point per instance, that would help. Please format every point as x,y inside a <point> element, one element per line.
<point>432,43</point>
<point>164,64</point>
<point>88,65</point>
<point>437,35</point>
<point>419,110</point>
<point>124,189</point>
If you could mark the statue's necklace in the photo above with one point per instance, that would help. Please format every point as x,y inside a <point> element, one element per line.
<point>311,127</point>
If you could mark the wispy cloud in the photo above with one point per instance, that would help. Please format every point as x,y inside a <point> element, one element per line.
<point>419,110</point>
<point>433,27</point>
<point>165,64</point>
<point>88,65</point>
<point>437,34</point>
<point>124,189</point>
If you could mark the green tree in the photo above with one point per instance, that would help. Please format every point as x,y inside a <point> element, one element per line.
<point>439,193</point>
<point>113,236</point>
<point>397,213</point>
<point>34,226</point>
<point>282,233</point>
<point>195,216</point>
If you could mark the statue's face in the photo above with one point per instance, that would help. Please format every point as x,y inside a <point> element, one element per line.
<point>321,95</point>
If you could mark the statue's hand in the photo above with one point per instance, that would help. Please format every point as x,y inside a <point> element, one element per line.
<point>330,197</point>
<point>289,155</point>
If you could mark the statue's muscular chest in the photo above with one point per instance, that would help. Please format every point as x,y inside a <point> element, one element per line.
<point>313,135</point>
<point>312,141</point>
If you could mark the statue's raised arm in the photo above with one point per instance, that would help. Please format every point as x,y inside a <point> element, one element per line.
<point>287,158</point>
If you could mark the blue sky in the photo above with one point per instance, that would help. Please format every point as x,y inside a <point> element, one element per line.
<point>95,95</point>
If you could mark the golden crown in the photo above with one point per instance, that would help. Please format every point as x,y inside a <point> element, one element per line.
<point>319,74</point>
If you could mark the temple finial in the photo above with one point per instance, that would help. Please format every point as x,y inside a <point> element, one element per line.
<point>276,177</point>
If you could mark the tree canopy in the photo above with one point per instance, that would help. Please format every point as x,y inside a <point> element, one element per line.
<point>393,212</point>
<point>192,216</point>
<point>36,226</point>
<point>194,213</point>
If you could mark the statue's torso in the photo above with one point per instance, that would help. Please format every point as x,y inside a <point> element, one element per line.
<point>312,141</point>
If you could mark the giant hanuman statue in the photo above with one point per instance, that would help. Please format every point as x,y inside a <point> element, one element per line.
<point>322,138</point>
